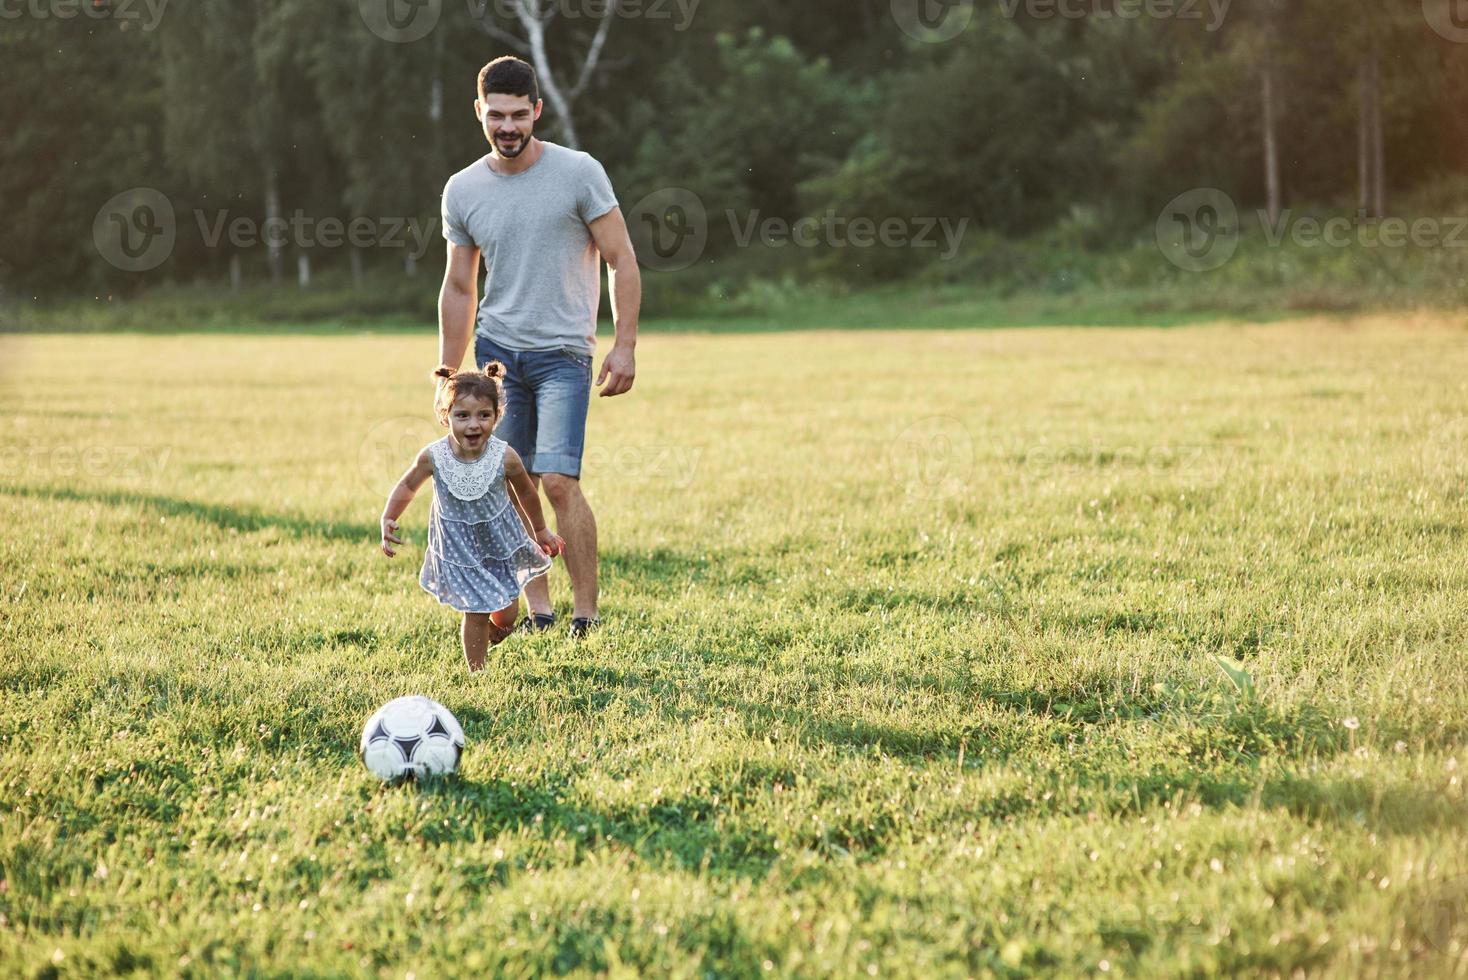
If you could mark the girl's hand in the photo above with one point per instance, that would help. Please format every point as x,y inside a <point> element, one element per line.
<point>389,537</point>
<point>550,542</point>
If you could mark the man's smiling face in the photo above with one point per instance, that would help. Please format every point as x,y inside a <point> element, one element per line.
<point>509,121</point>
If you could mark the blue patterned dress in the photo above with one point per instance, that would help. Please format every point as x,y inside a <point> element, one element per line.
<point>479,556</point>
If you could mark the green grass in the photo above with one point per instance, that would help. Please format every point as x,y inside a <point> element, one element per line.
<point>334,306</point>
<point>1008,652</point>
<point>762,308</point>
<point>1073,274</point>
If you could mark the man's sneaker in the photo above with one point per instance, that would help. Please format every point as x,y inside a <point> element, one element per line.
<point>580,627</point>
<point>536,623</point>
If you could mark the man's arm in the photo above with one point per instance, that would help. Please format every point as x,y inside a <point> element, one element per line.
<point>456,303</point>
<point>625,280</point>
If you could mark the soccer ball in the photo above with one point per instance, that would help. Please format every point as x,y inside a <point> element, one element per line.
<point>411,737</point>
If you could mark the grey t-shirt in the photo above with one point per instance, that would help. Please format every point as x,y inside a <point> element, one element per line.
<point>542,284</point>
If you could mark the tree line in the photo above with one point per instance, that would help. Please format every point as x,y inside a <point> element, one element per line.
<point>1034,113</point>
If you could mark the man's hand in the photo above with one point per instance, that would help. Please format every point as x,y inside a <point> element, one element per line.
<point>390,537</point>
<point>624,281</point>
<point>617,372</point>
<point>550,542</point>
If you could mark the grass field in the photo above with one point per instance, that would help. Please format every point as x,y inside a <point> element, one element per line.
<point>1135,652</point>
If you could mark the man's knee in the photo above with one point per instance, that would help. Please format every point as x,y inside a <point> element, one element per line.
<point>561,490</point>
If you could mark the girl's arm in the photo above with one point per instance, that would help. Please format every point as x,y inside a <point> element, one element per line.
<point>522,492</point>
<point>400,497</point>
<point>519,507</point>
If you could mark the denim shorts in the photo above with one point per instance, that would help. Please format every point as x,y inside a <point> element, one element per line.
<point>547,394</point>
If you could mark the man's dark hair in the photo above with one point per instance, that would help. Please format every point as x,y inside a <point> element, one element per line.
<point>508,76</point>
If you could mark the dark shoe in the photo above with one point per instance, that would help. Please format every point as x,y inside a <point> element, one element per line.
<point>580,627</point>
<point>537,623</point>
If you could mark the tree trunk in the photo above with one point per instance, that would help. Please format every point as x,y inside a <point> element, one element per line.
<point>236,275</point>
<point>533,15</point>
<point>1378,150</point>
<point>272,222</point>
<point>357,276</point>
<point>1370,154</point>
<point>435,88</point>
<point>1363,137</point>
<point>303,270</point>
<point>1271,142</point>
<point>535,34</point>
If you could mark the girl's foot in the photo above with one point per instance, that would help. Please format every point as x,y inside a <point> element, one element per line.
<point>581,626</point>
<point>497,633</point>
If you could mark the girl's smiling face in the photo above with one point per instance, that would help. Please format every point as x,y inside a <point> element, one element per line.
<point>471,419</point>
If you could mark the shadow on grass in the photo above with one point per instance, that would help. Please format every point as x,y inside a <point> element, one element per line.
<point>710,830</point>
<point>720,822</point>
<point>1213,760</point>
<point>685,832</point>
<point>660,566</point>
<point>244,520</point>
<point>1211,752</point>
<point>998,598</point>
<point>653,566</point>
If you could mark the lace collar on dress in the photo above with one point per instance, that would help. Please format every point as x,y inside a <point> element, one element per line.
<point>467,481</point>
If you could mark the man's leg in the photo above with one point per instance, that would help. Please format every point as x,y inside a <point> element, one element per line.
<point>562,384</point>
<point>577,524</point>
<point>518,429</point>
<point>537,590</point>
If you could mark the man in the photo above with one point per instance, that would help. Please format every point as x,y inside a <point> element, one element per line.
<point>540,214</point>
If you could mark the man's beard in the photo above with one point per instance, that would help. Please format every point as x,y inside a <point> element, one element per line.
<point>511,153</point>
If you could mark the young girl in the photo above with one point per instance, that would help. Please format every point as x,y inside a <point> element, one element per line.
<point>479,556</point>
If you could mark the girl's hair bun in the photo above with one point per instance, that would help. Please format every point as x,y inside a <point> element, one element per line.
<point>487,383</point>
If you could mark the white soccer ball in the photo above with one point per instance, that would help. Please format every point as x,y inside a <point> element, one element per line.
<point>411,737</point>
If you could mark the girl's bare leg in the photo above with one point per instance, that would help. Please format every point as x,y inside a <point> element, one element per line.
<point>484,630</point>
<point>505,618</point>
<point>477,628</point>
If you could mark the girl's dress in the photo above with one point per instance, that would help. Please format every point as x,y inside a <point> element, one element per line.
<point>479,556</point>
